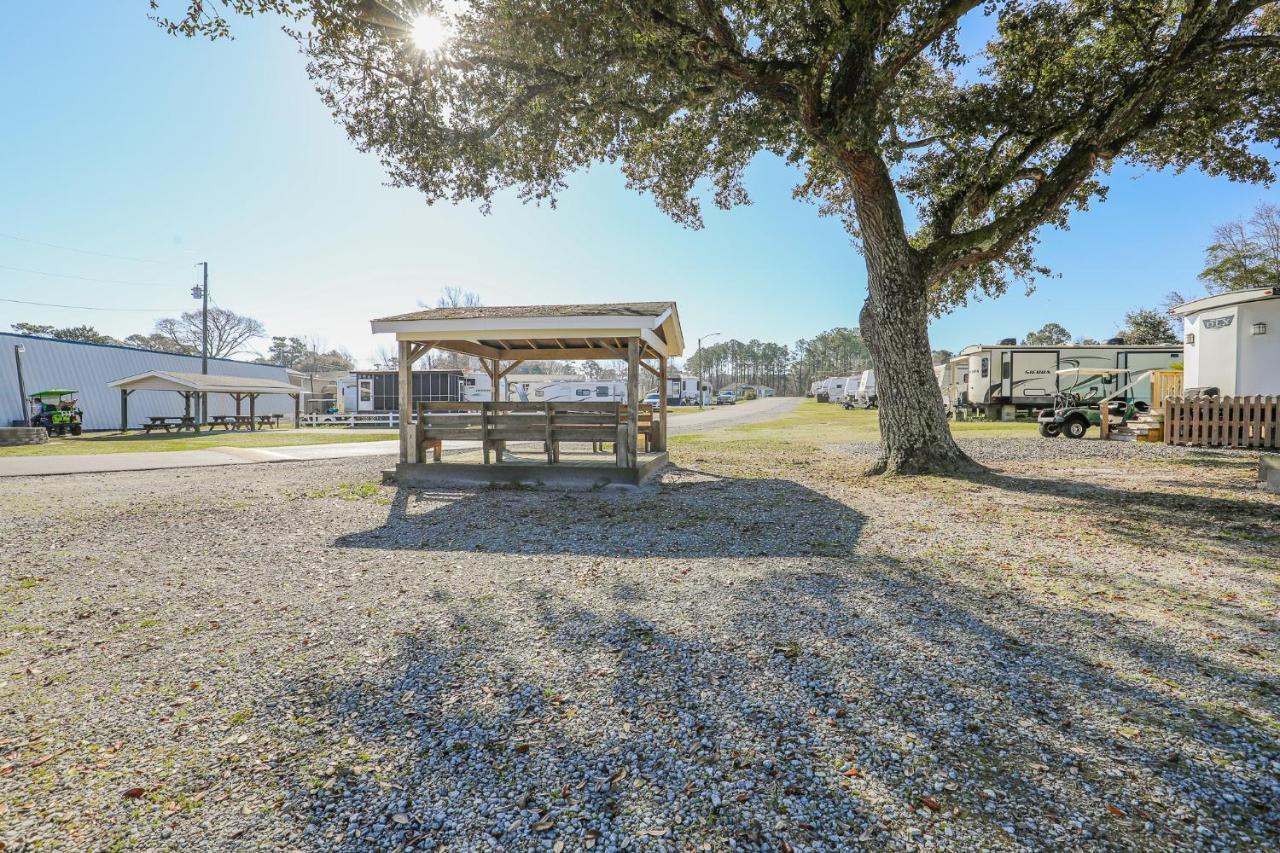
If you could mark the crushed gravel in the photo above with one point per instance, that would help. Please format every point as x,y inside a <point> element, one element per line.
<point>1077,650</point>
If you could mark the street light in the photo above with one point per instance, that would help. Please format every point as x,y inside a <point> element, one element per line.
<point>18,350</point>
<point>702,368</point>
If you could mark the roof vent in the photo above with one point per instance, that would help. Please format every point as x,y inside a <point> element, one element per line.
<point>1115,342</point>
<point>1008,342</point>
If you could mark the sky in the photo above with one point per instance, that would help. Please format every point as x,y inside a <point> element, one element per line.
<point>128,156</point>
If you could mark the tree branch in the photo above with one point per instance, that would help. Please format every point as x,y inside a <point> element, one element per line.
<point>919,41</point>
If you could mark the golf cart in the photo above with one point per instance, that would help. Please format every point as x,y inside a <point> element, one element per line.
<point>56,411</point>
<point>1073,413</point>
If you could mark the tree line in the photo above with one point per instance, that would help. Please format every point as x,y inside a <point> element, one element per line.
<point>229,335</point>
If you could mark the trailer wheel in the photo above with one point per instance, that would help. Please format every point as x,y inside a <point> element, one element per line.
<point>76,429</point>
<point>1051,430</point>
<point>1075,427</point>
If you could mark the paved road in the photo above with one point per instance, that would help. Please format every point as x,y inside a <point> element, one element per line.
<point>714,417</point>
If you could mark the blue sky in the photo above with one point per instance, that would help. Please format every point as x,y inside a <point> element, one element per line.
<point>124,141</point>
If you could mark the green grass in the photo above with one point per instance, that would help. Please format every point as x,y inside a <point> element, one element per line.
<point>821,424</point>
<point>114,442</point>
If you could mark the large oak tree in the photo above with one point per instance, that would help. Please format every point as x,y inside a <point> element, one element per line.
<point>875,102</point>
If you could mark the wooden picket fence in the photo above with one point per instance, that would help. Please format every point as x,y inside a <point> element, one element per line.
<point>1223,421</point>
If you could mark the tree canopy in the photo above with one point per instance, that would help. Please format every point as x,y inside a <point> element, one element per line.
<point>1245,254</point>
<point>1050,335</point>
<point>1148,326</point>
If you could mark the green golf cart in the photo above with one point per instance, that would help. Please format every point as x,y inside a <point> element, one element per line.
<point>56,411</point>
<point>1073,413</point>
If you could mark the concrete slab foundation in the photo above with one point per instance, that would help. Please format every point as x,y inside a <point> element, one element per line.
<point>1269,474</point>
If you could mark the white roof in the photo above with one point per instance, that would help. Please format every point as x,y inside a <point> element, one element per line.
<point>168,380</point>
<point>1221,300</point>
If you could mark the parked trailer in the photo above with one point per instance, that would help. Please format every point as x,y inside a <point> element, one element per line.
<point>1028,377</point>
<point>832,389</point>
<point>851,384</point>
<point>605,391</point>
<point>866,398</point>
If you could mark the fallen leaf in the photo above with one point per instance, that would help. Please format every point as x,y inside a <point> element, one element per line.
<point>135,793</point>
<point>853,771</point>
<point>1115,810</point>
<point>933,804</point>
<point>400,818</point>
<point>543,825</point>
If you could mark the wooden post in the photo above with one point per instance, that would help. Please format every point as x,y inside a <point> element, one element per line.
<point>253,420</point>
<point>408,442</point>
<point>297,410</point>
<point>495,376</point>
<point>124,410</point>
<point>633,401</point>
<point>663,391</point>
<point>186,404</point>
<point>238,398</point>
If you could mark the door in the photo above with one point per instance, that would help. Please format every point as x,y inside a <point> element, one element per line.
<point>1005,377</point>
<point>364,395</point>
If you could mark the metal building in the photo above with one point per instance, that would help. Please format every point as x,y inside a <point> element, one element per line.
<point>88,368</point>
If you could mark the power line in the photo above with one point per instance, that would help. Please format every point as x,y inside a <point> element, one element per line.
<point>83,251</point>
<point>84,307</point>
<point>87,278</point>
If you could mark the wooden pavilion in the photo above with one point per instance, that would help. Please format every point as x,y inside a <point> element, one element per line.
<point>193,386</point>
<point>646,335</point>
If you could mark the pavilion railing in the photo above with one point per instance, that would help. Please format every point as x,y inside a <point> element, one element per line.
<point>494,424</point>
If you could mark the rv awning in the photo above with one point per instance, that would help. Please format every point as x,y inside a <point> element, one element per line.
<point>1094,371</point>
<point>167,380</point>
<point>544,332</point>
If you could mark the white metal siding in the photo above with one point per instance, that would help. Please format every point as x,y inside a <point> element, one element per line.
<point>88,368</point>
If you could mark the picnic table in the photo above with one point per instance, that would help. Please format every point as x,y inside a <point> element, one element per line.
<point>230,422</point>
<point>176,423</point>
<point>272,421</point>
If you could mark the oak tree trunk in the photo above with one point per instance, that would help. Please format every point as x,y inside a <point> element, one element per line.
<point>914,435</point>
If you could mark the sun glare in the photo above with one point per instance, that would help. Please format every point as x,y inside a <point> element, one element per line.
<point>429,33</point>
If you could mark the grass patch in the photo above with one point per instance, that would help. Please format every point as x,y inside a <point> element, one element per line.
<point>114,442</point>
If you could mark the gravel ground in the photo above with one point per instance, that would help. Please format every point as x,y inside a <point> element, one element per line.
<point>1078,650</point>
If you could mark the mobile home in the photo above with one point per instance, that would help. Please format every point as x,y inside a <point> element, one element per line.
<point>1006,374</point>
<point>1233,342</point>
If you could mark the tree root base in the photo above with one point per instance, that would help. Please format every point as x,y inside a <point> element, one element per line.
<point>947,461</point>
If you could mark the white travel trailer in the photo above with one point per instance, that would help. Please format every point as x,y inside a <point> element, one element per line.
<point>867,389</point>
<point>604,391</point>
<point>1006,374</point>
<point>1233,342</point>
<point>814,388</point>
<point>832,388</point>
<point>477,386</point>
<point>520,385</point>
<point>851,384</point>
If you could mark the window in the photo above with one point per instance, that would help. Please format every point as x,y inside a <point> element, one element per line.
<point>603,391</point>
<point>986,367</point>
<point>582,392</point>
<point>1191,339</point>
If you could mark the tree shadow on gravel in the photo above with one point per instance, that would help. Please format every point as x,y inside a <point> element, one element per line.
<point>795,696</point>
<point>709,518</point>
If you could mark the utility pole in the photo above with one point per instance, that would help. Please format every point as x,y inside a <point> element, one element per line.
<point>202,292</point>
<point>702,368</point>
<point>18,350</point>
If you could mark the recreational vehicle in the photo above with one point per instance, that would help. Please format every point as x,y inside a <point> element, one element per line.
<point>1233,342</point>
<point>604,391</point>
<point>867,389</point>
<point>520,385</point>
<point>1027,377</point>
<point>832,389</point>
<point>851,383</point>
<point>814,388</point>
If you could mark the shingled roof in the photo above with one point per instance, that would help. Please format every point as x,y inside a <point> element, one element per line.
<point>613,309</point>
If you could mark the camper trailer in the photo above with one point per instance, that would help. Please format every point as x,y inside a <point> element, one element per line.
<point>1233,341</point>
<point>832,389</point>
<point>604,391</point>
<point>814,388</point>
<point>866,398</point>
<point>851,384</point>
<point>1027,377</point>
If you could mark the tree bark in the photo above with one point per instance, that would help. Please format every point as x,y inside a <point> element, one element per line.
<point>914,436</point>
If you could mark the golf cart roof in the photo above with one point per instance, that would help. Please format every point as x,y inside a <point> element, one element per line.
<point>55,392</point>
<point>1094,371</point>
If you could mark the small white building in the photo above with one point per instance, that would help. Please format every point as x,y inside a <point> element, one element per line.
<point>1233,342</point>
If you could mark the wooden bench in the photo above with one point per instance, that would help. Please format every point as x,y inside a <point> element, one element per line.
<point>647,427</point>
<point>493,424</point>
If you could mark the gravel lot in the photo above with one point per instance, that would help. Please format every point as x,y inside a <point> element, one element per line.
<point>765,651</point>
